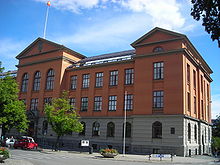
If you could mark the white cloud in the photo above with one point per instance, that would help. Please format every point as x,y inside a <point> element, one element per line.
<point>10,48</point>
<point>73,5</point>
<point>115,33</point>
<point>164,13</point>
<point>215,105</point>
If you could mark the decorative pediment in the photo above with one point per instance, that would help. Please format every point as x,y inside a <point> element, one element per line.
<point>157,35</point>
<point>43,46</point>
<point>39,46</point>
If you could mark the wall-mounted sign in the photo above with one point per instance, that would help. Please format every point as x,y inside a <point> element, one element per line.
<point>84,143</point>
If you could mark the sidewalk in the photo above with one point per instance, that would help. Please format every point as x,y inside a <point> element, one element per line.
<point>16,162</point>
<point>128,157</point>
<point>143,158</point>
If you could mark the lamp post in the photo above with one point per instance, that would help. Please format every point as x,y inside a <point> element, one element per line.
<point>0,131</point>
<point>125,115</point>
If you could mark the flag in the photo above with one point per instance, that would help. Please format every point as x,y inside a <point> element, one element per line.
<point>48,3</point>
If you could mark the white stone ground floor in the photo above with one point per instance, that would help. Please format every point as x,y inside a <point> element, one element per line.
<point>180,135</point>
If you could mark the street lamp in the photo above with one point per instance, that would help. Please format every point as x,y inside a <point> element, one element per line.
<point>0,130</point>
<point>124,133</point>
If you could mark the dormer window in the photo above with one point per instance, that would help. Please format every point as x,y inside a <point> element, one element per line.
<point>158,49</point>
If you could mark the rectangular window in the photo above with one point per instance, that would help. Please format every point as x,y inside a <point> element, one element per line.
<point>112,103</point>
<point>129,76</point>
<point>72,102</point>
<point>158,70</point>
<point>195,107</point>
<point>34,103</point>
<point>73,82</point>
<point>188,74</point>
<point>202,107</point>
<point>201,84</point>
<point>194,79</point>
<point>99,80</point>
<point>207,93</point>
<point>85,81</point>
<point>172,130</point>
<point>188,101</point>
<point>128,102</point>
<point>48,100</point>
<point>84,104</point>
<point>97,103</point>
<point>158,99</point>
<point>113,78</point>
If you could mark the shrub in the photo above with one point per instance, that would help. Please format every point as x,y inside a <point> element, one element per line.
<point>4,151</point>
<point>107,150</point>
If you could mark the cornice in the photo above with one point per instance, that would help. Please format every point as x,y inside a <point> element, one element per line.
<point>158,53</point>
<point>37,54</point>
<point>44,61</point>
<point>158,42</point>
<point>186,53</point>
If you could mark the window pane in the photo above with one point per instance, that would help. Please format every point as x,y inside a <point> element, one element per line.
<point>36,84</point>
<point>85,83</point>
<point>129,76</point>
<point>158,99</point>
<point>50,80</point>
<point>73,82</point>
<point>99,80</point>
<point>128,102</point>
<point>113,78</point>
<point>98,103</point>
<point>24,84</point>
<point>158,70</point>
<point>84,103</point>
<point>112,103</point>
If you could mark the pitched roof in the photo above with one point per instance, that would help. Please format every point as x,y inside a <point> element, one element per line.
<point>178,35</point>
<point>60,47</point>
<point>109,55</point>
<point>153,31</point>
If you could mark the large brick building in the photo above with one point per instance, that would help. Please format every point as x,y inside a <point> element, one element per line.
<point>163,83</point>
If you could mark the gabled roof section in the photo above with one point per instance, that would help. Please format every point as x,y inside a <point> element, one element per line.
<point>172,34</point>
<point>109,55</point>
<point>55,45</point>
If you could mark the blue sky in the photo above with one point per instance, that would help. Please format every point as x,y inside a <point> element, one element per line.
<point>94,27</point>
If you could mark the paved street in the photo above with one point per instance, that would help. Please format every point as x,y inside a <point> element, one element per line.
<point>24,157</point>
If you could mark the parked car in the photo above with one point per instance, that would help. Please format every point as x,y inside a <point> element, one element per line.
<point>25,143</point>
<point>10,142</point>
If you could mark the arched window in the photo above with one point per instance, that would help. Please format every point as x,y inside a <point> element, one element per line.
<point>195,133</point>
<point>24,83</point>
<point>110,129</point>
<point>189,132</point>
<point>127,130</point>
<point>84,129</point>
<point>36,84</point>
<point>45,127</point>
<point>158,49</point>
<point>95,129</point>
<point>50,79</point>
<point>157,130</point>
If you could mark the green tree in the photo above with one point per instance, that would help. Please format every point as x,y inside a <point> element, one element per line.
<point>216,144</point>
<point>62,117</point>
<point>216,127</point>
<point>209,11</point>
<point>12,111</point>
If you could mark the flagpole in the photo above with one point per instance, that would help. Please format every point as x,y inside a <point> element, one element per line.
<point>125,115</point>
<point>45,24</point>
